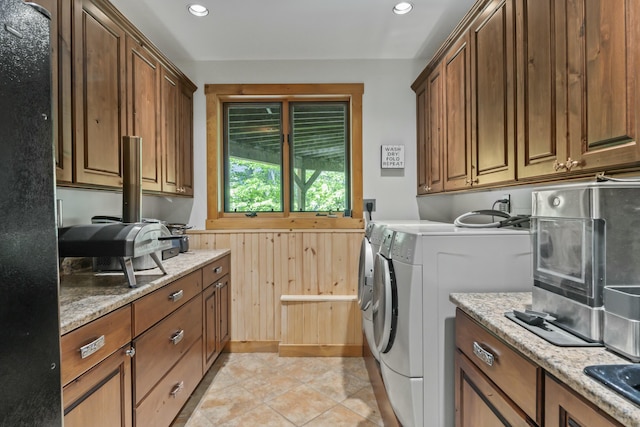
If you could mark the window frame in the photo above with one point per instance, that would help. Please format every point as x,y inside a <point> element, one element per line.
<point>218,94</point>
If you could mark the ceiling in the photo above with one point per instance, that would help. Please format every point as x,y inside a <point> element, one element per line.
<point>295,29</point>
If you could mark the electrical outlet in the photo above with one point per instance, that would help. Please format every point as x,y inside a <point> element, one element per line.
<point>373,203</point>
<point>505,206</point>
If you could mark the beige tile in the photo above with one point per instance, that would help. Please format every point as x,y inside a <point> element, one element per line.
<point>337,385</point>
<point>305,369</point>
<point>197,419</point>
<point>301,404</point>
<point>339,416</point>
<point>364,403</point>
<point>266,387</point>
<point>262,416</point>
<point>234,401</point>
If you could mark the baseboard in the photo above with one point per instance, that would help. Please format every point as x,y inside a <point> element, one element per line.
<point>318,350</point>
<point>252,346</point>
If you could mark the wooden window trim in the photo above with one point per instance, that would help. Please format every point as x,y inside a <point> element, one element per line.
<point>216,94</point>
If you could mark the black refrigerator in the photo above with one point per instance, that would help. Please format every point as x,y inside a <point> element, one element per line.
<point>30,391</point>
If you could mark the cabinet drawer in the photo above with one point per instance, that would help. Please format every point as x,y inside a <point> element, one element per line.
<point>151,308</point>
<point>517,377</point>
<point>95,341</point>
<point>166,399</point>
<point>216,270</point>
<point>158,349</point>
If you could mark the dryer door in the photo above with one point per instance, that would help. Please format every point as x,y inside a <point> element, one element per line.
<point>365,275</point>
<point>385,304</point>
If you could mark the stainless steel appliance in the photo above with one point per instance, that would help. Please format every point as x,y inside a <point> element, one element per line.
<point>31,392</point>
<point>586,236</point>
<point>118,240</point>
<point>622,320</point>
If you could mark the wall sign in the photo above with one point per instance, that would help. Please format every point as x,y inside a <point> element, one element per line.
<point>392,156</point>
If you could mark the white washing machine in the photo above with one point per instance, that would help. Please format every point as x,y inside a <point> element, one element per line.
<point>413,318</point>
<point>373,235</point>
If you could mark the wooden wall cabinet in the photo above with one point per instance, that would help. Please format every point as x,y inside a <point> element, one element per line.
<point>553,91</point>
<point>430,107</point>
<point>185,142</point>
<point>100,95</point>
<point>169,132</point>
<point>114,83</point>
<point>492,96</point>
<point>143,110</point>
<point>457,116</point>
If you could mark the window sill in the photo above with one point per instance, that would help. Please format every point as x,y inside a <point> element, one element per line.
<point>318,223</point>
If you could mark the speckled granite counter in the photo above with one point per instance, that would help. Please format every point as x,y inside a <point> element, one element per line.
<point>87,296</point>
<point>564,363</point>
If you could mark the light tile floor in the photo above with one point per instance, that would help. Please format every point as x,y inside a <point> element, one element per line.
<point>263,389</point>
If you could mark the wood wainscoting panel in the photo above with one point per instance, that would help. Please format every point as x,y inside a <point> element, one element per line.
<point>267,264</point>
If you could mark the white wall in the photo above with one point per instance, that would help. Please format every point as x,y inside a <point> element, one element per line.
<point>389,117</point>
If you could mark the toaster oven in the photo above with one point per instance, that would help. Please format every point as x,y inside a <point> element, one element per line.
<point>585,236</point>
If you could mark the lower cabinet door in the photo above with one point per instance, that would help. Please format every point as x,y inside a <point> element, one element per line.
<point>564,408</point>
<point>102,396</point>
<point>479,403</point>
<point>166,399</point>
<point>210,331</point>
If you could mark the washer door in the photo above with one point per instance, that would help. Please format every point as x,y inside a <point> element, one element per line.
<point>385,304</point>
<point>365,275</point>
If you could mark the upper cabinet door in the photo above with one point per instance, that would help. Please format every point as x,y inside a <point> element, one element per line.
<point>602,76</point>
<point>421,132</point>
<point>169,122</point>
<point>541,104</point>
<point>143,110</point>
<point>493,101</point>
<point>435,131</point>
<point>185,125</point>
<point>99,85</point>
<point>457,116</point>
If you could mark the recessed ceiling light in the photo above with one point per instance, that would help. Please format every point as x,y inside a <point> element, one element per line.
<point>198,10</point>
<point>402,8</point>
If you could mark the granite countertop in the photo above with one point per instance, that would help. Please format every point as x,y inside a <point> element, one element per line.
<point>564,363</point>
<point>85,296</point>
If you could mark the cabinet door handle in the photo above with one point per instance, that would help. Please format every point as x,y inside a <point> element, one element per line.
<point>177,389</point>
<point>483,354</point>
<point>92,347</point>
<point>177,337</point>
<point>570,163</point>
<point>217,270</point>
<point>130,352</point>
<point>176,296</point>
<point>220,285</point>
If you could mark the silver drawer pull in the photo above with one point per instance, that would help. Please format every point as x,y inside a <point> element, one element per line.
<point>176,296</point>
<point>131,352</point>
<point>92,347</point>
<point>217,270</point>
<point>177,389</point>
<point>177,337</point>
<point>483,354</point>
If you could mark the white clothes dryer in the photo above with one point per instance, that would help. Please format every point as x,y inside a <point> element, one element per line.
<point>371,241</point>
<point>414,319</point>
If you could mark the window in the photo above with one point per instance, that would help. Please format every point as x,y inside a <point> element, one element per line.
<point>285,156</point>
